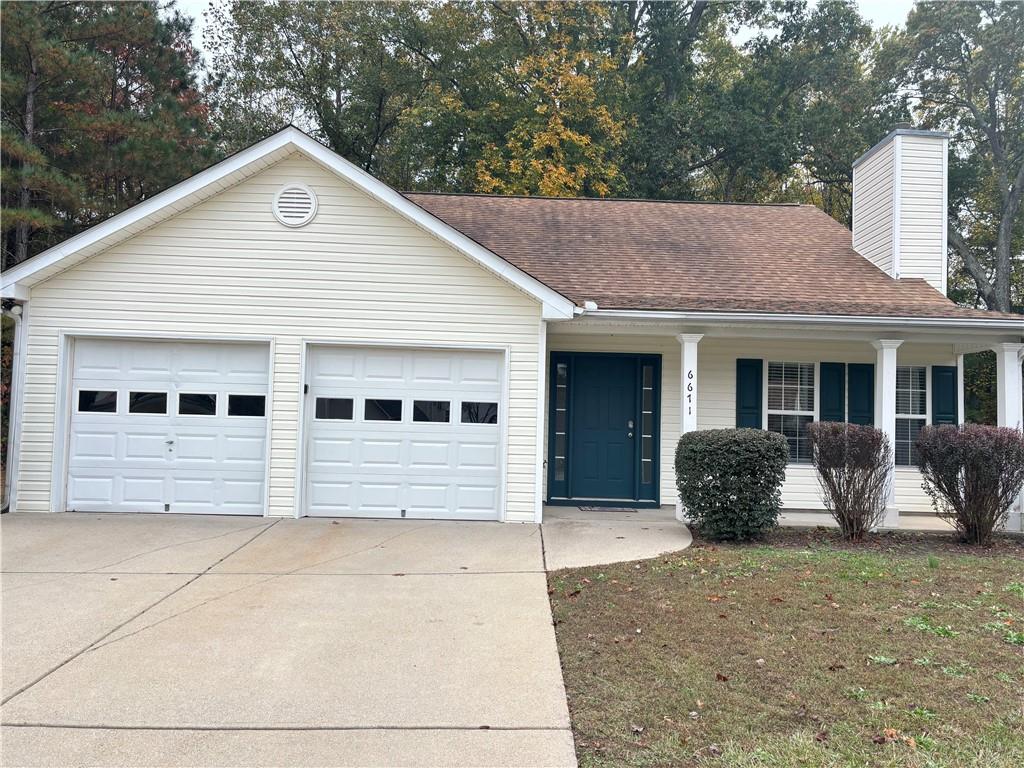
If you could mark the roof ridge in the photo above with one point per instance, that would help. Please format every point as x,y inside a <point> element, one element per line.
<point>604,199</point>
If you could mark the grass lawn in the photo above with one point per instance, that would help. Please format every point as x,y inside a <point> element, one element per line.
<point>798,651</point>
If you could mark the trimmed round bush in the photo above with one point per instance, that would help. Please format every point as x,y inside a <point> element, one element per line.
<point>852,462</point>
<point>730,480</point>
<point>973,473</point>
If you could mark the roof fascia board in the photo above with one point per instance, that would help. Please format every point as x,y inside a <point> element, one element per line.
<point>712,318</point>
<point>555,305</point>
<point>141,211</point>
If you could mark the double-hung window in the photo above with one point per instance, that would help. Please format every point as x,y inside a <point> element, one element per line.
<point>791,405</point>
<point>911,411</point>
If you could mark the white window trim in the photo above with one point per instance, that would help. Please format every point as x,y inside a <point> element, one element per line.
<point>764,399</point>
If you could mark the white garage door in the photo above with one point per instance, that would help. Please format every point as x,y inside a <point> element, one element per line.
<point>404,433</point>
<point>161,426</point>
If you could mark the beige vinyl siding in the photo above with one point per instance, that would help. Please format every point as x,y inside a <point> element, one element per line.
<point>873,209</point>
<point>358,273</point>
<point>922,209</point>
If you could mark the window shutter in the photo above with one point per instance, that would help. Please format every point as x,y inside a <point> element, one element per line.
<point>749,391</point>
<point>832,405</point>
<point>861,381</point>
<point>944,399</point>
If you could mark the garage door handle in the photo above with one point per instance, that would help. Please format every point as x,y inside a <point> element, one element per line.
<point>168,442</point>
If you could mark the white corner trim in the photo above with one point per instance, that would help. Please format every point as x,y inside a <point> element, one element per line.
<point>555,305</point>
<point>542,409</point>
<point>897,187</point>
<point>16,404</point>
<point>945,216</point>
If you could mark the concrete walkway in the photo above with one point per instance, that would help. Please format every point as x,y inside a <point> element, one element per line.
<point>186,640</point>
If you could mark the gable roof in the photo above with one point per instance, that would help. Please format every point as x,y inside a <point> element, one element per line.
<point>241,166</point>
<point>692,257</point>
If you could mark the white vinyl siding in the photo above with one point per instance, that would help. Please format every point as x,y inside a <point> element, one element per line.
<point>358,273</point>
<point>873,209</point>
<point>899,208</point>
<point>922,217</point>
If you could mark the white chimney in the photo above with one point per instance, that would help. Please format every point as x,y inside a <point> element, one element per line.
<point>899,205</point>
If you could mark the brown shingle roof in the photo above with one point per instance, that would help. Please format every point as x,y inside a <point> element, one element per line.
<point>652,255</point>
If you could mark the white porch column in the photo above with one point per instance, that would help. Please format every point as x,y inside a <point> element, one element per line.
<point>687,390</point>
<point>1009,408</point>
<point>885,415</point>
<point>961,399</point>
<point>688,381</point>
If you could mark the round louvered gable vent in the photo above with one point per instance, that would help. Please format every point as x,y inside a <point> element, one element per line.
<point>295,205</point>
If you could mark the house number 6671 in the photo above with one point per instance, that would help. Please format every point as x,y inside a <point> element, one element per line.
<point>689,393</point>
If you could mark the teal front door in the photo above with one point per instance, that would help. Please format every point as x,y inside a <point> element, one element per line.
<point>604,417</point>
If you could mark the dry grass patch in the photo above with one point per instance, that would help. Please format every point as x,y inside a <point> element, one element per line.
<point>796,653</point>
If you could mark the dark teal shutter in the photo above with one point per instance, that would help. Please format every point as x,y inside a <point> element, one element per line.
<point>861,381</point>
<point>944,399</point>
<point>832,402</point>
<point>749,380</point>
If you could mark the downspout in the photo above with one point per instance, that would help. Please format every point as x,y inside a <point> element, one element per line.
<point>18,312</point>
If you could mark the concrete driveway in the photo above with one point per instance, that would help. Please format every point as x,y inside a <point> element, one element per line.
<point>174,640</point>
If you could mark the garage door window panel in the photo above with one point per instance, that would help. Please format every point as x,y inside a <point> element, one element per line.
<point>333,409</point>
<point>197,404</point>
<point>97,401</point>
<point>152,403</point>
<point>433,411</point>
<point>382,410</point>
<point>247,405</point>
<point>479,413</point>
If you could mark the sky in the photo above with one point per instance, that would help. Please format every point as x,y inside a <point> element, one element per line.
<point>879,12</point>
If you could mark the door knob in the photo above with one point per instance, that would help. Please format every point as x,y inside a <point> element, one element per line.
<point>629,435</point>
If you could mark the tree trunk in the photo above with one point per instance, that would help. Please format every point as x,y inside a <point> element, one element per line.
<point>21,232</point>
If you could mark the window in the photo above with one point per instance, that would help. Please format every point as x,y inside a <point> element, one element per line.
<point>196,404</point>
<point>383,410</point>
<point>647,424</point>
<point>247,405</point>
<point>791,405</point>
<point>147,402</point>
<point>911,411</point>
<point>431,410</point>
<point>335,408</point>
<point>561,426</point>
<point>479,413</point>
<point>97,401</point>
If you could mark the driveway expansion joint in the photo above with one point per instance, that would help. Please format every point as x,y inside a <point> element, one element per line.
<point>132,618</point>
<point>278,728</point>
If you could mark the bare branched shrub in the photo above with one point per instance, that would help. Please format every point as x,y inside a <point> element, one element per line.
<point>852,462</point>
<point>973,473</point>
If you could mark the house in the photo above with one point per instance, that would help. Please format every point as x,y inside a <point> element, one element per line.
<point>285,335</point>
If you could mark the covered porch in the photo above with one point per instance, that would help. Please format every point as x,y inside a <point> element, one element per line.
<point>622,386</point>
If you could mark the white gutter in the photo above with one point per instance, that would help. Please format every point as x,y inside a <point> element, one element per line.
<point>980,323</point>
<point>19,344</point>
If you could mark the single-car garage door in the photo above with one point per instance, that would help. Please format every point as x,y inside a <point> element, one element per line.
<point>404,433</point>
<point>161,426</point>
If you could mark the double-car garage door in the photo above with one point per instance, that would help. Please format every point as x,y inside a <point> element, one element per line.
<point>159,426</point>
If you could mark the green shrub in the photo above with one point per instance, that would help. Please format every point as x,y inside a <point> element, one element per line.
<point>730,480</point>
<point>973,474</point>
<point>852,462</point>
